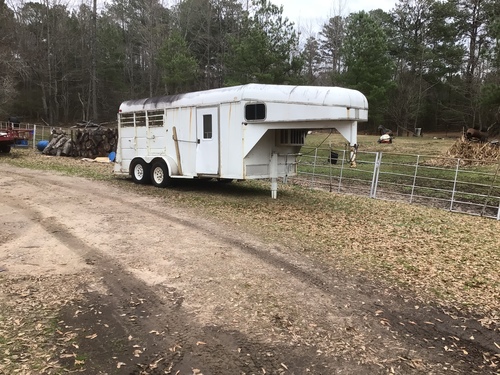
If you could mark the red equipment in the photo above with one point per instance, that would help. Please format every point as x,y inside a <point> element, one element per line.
<point>11,137</point>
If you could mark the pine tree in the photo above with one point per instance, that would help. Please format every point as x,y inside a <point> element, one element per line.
<point>368,66</point>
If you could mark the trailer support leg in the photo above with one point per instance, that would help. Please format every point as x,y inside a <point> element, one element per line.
<point>274,175</point>
<point>274,188</point>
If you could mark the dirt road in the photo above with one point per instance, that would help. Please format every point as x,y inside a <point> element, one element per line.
<point>155,289</point>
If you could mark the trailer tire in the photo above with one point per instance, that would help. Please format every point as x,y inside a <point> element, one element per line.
<point>140,171</point>
<point>4,149</point>
<point>159,174</point>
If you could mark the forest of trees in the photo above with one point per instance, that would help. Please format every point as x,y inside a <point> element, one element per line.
<point>430,64</point>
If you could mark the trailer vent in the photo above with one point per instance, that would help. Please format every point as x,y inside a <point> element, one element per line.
<point>126,120</point>
<point>155,118</point>
<point>292,137</point>
<point>140,118</point>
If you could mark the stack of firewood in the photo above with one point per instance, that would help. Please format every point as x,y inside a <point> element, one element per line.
<point>88,142</point>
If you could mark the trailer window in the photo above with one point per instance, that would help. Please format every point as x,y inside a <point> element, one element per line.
<point>255,111</point>
<point>207,126</point>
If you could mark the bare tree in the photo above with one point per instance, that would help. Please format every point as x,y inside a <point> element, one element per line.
<point>8,62</point>
<point>93,57</point>
<point>331,40</point>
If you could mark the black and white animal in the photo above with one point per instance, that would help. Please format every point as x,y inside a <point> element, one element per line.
<point>383,130</point>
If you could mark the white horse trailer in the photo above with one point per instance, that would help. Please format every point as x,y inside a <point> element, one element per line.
<point>252,131</point>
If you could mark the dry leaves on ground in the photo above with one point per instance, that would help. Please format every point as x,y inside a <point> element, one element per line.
<point>29,337</point>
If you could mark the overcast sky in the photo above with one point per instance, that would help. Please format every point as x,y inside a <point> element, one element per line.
<point>316,12</point>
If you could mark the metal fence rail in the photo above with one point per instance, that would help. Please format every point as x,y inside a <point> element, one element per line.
<point>458,185</point>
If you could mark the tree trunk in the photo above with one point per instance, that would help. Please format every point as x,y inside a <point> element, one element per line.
<point>94,62</point>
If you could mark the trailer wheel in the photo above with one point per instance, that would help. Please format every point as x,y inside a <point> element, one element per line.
<point>140,171</point>
<point>159,174</point>
<point>4,149</point>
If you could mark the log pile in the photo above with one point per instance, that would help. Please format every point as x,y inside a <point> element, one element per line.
<point>87,142</point>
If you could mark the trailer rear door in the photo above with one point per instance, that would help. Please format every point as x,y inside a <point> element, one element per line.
<point>207,151</point>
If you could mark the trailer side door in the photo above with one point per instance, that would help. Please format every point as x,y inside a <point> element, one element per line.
<point>207,150</point>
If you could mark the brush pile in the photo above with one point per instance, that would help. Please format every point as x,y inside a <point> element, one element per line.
<point>474,153</point>
<point>89,142</point>
<point>467,153</point>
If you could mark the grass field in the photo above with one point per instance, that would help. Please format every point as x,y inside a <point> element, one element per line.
<point>435,255</point>
<point>434,144</point>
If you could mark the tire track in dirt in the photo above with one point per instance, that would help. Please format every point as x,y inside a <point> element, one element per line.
<point>394,310</point>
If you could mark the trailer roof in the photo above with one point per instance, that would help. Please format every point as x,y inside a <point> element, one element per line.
<point>313,95</point>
